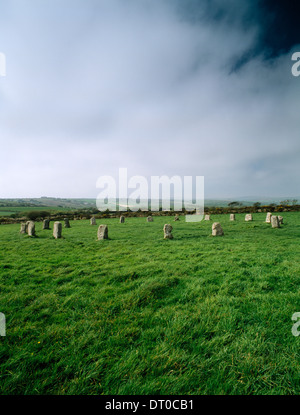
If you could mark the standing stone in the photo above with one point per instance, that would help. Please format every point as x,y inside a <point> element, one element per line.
<point>67,223</point>
<point>122,219</point>
<point>207,217</point>
<point>217,229</point>
<point>176,218</point>
<point>275,222</point>
<point>149,219</point>
<point>232,216</point>
<point>23,228</point>
<point>57,229</point>
<point>280,219</point>
<point>93,220</point>
<point>31,228</point>
<point>268,218</point>
<point>248,217</point>
<point>26,225</point>
<point>102,232</point>
<point>168,232</point>
<point>46,223</point>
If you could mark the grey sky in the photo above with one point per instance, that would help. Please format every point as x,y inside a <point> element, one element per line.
<point>94,85</point>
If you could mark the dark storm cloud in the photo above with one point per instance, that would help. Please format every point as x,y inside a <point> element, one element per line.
<point>276,22</point>
<point>279,23</point>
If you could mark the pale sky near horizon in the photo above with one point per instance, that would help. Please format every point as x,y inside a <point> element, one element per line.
<point>160,87</point>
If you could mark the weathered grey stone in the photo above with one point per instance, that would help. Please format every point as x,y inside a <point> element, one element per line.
<point>268,218</point>
<point>122,219</point>
<point>207,217</point>
<point>57,230</point>
<point>232,216</point>
<point>102,232</point>
<point>149,219</point>
<point>248,217</point>
<point>217,229</point>
<point>23,228</point>
<point>67,223</point>
<point>176,218</point>
<point>46,223</point>
<point>280,219</point>
<point>93,220</point>
<point>31,228</point>
<point>26,225</point>
<point>168,232</point>
<point>275,222</point>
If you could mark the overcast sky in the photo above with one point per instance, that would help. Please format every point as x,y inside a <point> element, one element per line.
<point>161,87</point>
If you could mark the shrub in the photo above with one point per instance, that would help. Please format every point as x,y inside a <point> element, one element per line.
<point>35,214</point>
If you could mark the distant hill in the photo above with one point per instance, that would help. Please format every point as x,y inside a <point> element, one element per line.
<point>250,200</point>
<point>44,202</point>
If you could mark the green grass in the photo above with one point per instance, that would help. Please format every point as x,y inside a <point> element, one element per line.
<point>7,212</point>
<point>137,314</point>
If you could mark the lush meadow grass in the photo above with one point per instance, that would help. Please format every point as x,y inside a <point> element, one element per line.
<point>137,314</point>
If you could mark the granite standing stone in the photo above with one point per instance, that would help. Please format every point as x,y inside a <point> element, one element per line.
<point>207,217</point>
<point>232,216</point>
<point>67,223</point>
<point>57,230</point>
<point>122,219</point>
<point>168,232</point>
<point>23,228</point>
<point>102,232</point>
<point>149,219</point>
<point>268,218</point>
<point>93,220</point>
<point>275,222</point>
<point>26,225</point>
<point>46,223</point>
<point>248,217</point>
<point>217,229</point>
<point>31,228</point>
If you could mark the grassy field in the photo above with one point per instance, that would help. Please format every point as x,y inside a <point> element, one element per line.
<point>7,212</point>
<point>137,314</point>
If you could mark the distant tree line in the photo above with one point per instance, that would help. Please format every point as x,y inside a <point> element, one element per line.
<point>87,213</point>
<point>289,202</point>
